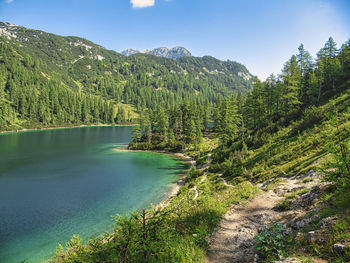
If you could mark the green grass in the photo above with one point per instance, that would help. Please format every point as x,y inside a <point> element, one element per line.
<point>296,193</point>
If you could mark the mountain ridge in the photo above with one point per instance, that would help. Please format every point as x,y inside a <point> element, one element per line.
<point>173,53</point>
<point>33,62</point>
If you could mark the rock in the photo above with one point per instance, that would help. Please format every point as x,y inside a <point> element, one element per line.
<point>305,222</point>
<point>316,210</point>
<point>307,199</point>
<point>261,228</point>
<point>299,236</point>
<point>340,248</point>
<point>328,221</point>
<point>261,219</point>
<point>174,53</point>
<point>245,236</point>
<point>312,237</point>
<point>317,237</point>
<point>287,231</point>
<point>265,185</point>
<point>287,260</point>
<point>279,191</point>
<point>260,185</point>
<point>311,173</point>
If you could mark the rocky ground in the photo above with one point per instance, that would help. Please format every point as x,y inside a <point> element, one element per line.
<point>289,202</point>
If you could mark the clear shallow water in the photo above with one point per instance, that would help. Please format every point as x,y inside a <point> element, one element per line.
<point>57,183</point>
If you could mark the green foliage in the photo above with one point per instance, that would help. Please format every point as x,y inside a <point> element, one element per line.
<point>291,76</point>
<point>30,96</point>
<point>171,129</point>
<point>136,134</point>
<point>287,140</point>
<point>337,169</point>
<point>227,119</point>
<point>270,243</point>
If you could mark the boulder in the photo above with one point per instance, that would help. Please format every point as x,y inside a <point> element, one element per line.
<point>341,248</point>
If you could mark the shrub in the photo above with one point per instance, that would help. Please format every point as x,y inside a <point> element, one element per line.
<point>271,242</point>
<point>310,117</point>
<point>338,168</point>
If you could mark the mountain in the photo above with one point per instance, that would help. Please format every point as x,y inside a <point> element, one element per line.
<point>174,53</point>
<point>44,78</point>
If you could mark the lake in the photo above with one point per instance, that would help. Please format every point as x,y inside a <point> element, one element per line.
<point>56,183</point>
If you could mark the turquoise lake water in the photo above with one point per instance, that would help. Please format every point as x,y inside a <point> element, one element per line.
<point>56,183</point>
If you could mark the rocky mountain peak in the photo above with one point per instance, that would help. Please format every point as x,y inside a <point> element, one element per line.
<point>174,53</point>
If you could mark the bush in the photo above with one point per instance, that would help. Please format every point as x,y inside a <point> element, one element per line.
<point>338,168</point>
<point>270,243</point>
<point>310,117</point>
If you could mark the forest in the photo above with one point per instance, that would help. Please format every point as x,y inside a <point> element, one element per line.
<point>50,80</point>
<point>303,85</point>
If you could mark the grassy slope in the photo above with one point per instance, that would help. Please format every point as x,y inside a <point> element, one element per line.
<point>294,149</point>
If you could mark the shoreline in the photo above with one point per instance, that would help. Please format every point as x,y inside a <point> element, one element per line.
<point>175,188</point>
<point>177,154</point>
<point>65,127</point>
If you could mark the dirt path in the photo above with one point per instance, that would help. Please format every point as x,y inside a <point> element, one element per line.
<point>233,239</point>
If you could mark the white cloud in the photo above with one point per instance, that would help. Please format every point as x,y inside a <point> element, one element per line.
<point>8,1</point>
<point>140,3</point>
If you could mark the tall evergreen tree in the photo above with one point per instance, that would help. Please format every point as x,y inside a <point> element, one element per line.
<point>291,84</point>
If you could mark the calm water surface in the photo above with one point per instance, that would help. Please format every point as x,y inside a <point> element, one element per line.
<point>57,183</point>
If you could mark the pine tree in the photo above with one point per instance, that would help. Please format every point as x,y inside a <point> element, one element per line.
<point>305,63</point>
<point>137,134</point>
<point>291,85</point>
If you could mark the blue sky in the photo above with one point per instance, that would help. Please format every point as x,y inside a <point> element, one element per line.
<point>261,34</point>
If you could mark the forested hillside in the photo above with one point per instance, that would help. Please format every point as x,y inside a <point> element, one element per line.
<point>295,97</point>
<point>289,126</point>
<point>284,124</point>
<point>50,80</point>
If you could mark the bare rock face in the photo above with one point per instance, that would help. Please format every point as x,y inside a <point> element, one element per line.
<point>174,53</point>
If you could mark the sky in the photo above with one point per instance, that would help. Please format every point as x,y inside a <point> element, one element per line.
<point>260,34</point>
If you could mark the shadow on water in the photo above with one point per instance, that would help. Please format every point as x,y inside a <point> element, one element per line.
<point>179,166</point>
